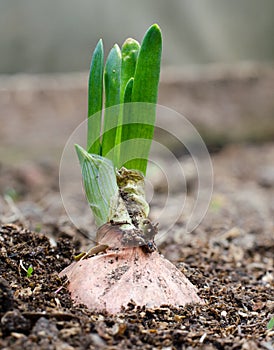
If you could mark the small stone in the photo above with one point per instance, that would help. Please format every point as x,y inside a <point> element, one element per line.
<point>44,327</point>
<point>266,176</point>
<point>14,321</point>
<point>223,313</point>
<point>243,314</point>
<point>6,298</point>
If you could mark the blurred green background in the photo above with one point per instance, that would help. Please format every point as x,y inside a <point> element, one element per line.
<point>58,36</point>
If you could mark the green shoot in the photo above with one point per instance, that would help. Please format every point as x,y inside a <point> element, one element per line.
<point>130,75</point>
<point>270,324</point>
<point>29,271</point>
<point>130,51</point>
<point>145,89</point>
<point>95,99</point>
<point>112,98</point>
<point>129,83</point>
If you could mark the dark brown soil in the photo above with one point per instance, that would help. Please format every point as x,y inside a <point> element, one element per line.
<point>229,258</point>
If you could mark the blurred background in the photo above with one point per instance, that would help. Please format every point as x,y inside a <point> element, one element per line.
<point>39,36</point>
<point>217,71</point>
<point>217,66</point>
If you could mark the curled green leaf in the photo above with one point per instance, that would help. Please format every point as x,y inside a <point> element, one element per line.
<point>99,180</point>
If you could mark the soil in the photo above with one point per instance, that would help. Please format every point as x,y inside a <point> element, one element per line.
<point>229,258</point>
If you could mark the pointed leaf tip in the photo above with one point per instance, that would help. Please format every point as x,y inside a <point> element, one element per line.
<point>128,91</point>
<point>80,153</point>
<point>130,51</point>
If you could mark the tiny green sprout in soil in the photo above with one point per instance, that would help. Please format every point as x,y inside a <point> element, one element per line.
<point>28,271</point>
<point>125,265</point>
<point>12,193</point>
<point>270,324</point>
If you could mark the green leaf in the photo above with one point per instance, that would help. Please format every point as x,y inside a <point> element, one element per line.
<point>95,99</point>
<point>145,89</point>
<point>29,271</point>
<point>117,154</point>
<point>129,54</point>
<point>270,324</point>
<point>112,98</point>
<point>99,180</point>
<point>146,79</point>
<point>130,50</point>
